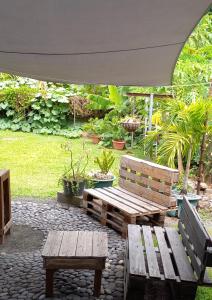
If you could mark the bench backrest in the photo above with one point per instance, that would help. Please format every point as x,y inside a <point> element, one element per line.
<point>148,180</point>
<point>196,239</point>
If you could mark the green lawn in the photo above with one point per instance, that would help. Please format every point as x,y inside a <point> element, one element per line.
<point>36,161</point>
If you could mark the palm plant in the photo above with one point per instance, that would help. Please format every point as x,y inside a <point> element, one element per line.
<point>179,134</point>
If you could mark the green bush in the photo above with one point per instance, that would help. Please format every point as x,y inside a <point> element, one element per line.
<point>24,109</point>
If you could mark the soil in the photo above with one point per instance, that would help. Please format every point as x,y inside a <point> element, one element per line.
<point>22,239</point>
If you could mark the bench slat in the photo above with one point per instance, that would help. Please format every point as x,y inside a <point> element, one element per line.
<point>113,202</point>
<point>146,181</point>
<point>100,244</point>
<point>196,223</point>
<point>122,200</point>
<point>152,262</point>
<point>53,243</point>
<point>154,204</point>
<point>136,251</point>
<point>84,243</point>
<point>196,263</point>
<point>69,244</point>
<point>149,168</point>
<point>147,193</point>
<point>165,254</point>
<point>181,259</point>
<point>132,199</point>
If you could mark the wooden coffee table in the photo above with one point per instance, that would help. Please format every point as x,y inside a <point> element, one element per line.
<point>75,250</point>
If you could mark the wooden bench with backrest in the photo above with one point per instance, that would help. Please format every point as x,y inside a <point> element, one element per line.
<point>166,261</point>
<point>143,194</point>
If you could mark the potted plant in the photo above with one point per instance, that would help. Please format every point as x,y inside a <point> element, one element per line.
<point>118,138</point>
<point>103,177</point>
<point>94,130</point>
<point>74,177</point>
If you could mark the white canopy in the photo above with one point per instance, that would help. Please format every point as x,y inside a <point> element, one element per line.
<point>122,42</point>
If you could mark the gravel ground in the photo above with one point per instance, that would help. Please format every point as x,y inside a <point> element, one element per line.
<point>21,270</point>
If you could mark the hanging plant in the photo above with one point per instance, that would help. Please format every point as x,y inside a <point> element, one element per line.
<point>131,124</point>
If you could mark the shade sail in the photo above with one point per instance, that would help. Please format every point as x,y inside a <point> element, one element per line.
<point>122,42</point>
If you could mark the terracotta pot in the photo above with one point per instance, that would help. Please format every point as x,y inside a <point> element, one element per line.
<point>118,145</point>
<point>95,139</point>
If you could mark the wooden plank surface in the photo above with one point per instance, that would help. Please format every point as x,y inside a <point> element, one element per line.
<point>69,244</point>
<point>156,205</point>
<point>85,244</point>
<point>53,243</point>
<point>100,244</point>
<point>108,193</point>
<point>146,193</point>
<point>112,202</point>
<point>196,222</point>
<point>136,251</point>
<point>152,262</point>
<point>149,168</point>
<point>195,261</point>
<point>146,181</point>
<point>196,240</point>
<point>132,199</point>
<point>165,254</point>
<point>183,265</point>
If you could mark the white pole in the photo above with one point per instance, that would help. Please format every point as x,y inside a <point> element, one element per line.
<point>151,99</point>
<point>146,119</point>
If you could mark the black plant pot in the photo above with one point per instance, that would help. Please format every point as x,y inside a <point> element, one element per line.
<point>73,188</point>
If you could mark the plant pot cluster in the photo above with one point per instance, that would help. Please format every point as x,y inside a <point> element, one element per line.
<point>75,179</point>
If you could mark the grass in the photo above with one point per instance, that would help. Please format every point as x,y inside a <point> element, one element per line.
<point>36,161</point>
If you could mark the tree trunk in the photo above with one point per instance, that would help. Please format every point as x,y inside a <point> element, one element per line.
<point>180,162</point>
<point>187,170</point>
<point>201,159</point>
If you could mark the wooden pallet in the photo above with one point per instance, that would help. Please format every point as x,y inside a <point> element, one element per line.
<point>118,208</point>
<point>143,195</point>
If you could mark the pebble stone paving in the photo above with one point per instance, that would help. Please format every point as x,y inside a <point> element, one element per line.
<point>21,270</point>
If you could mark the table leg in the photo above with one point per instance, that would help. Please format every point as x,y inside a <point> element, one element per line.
<point>49,282</point>
<point>97,282</point>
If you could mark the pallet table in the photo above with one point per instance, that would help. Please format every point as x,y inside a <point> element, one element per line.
<point>75,250</point>
<point>5,204</point>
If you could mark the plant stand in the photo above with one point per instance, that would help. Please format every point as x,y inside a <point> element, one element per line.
<point>69,200</point>
<point>5,204</point>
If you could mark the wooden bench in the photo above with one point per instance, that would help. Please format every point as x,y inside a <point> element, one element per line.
<point>75,250</point>
<point>143,195</point>
<point>166,261</point>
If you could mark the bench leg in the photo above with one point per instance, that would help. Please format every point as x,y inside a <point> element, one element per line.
<point>97,282</point>
<point>49,282</point>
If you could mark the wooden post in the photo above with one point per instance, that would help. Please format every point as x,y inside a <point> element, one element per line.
<point>5,204</point>
<point>97,282</point>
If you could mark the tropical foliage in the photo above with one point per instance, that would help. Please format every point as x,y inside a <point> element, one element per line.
<point>179,134</point>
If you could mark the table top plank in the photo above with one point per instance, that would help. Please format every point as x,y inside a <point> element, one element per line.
<point>84,244</point>
<point>53,243</point>
<point>152,262</point>
<point>136,251</point>
<point>69,244</point>
<point>100,244</point>
<point>165,254</point>
<point>182,262</point>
